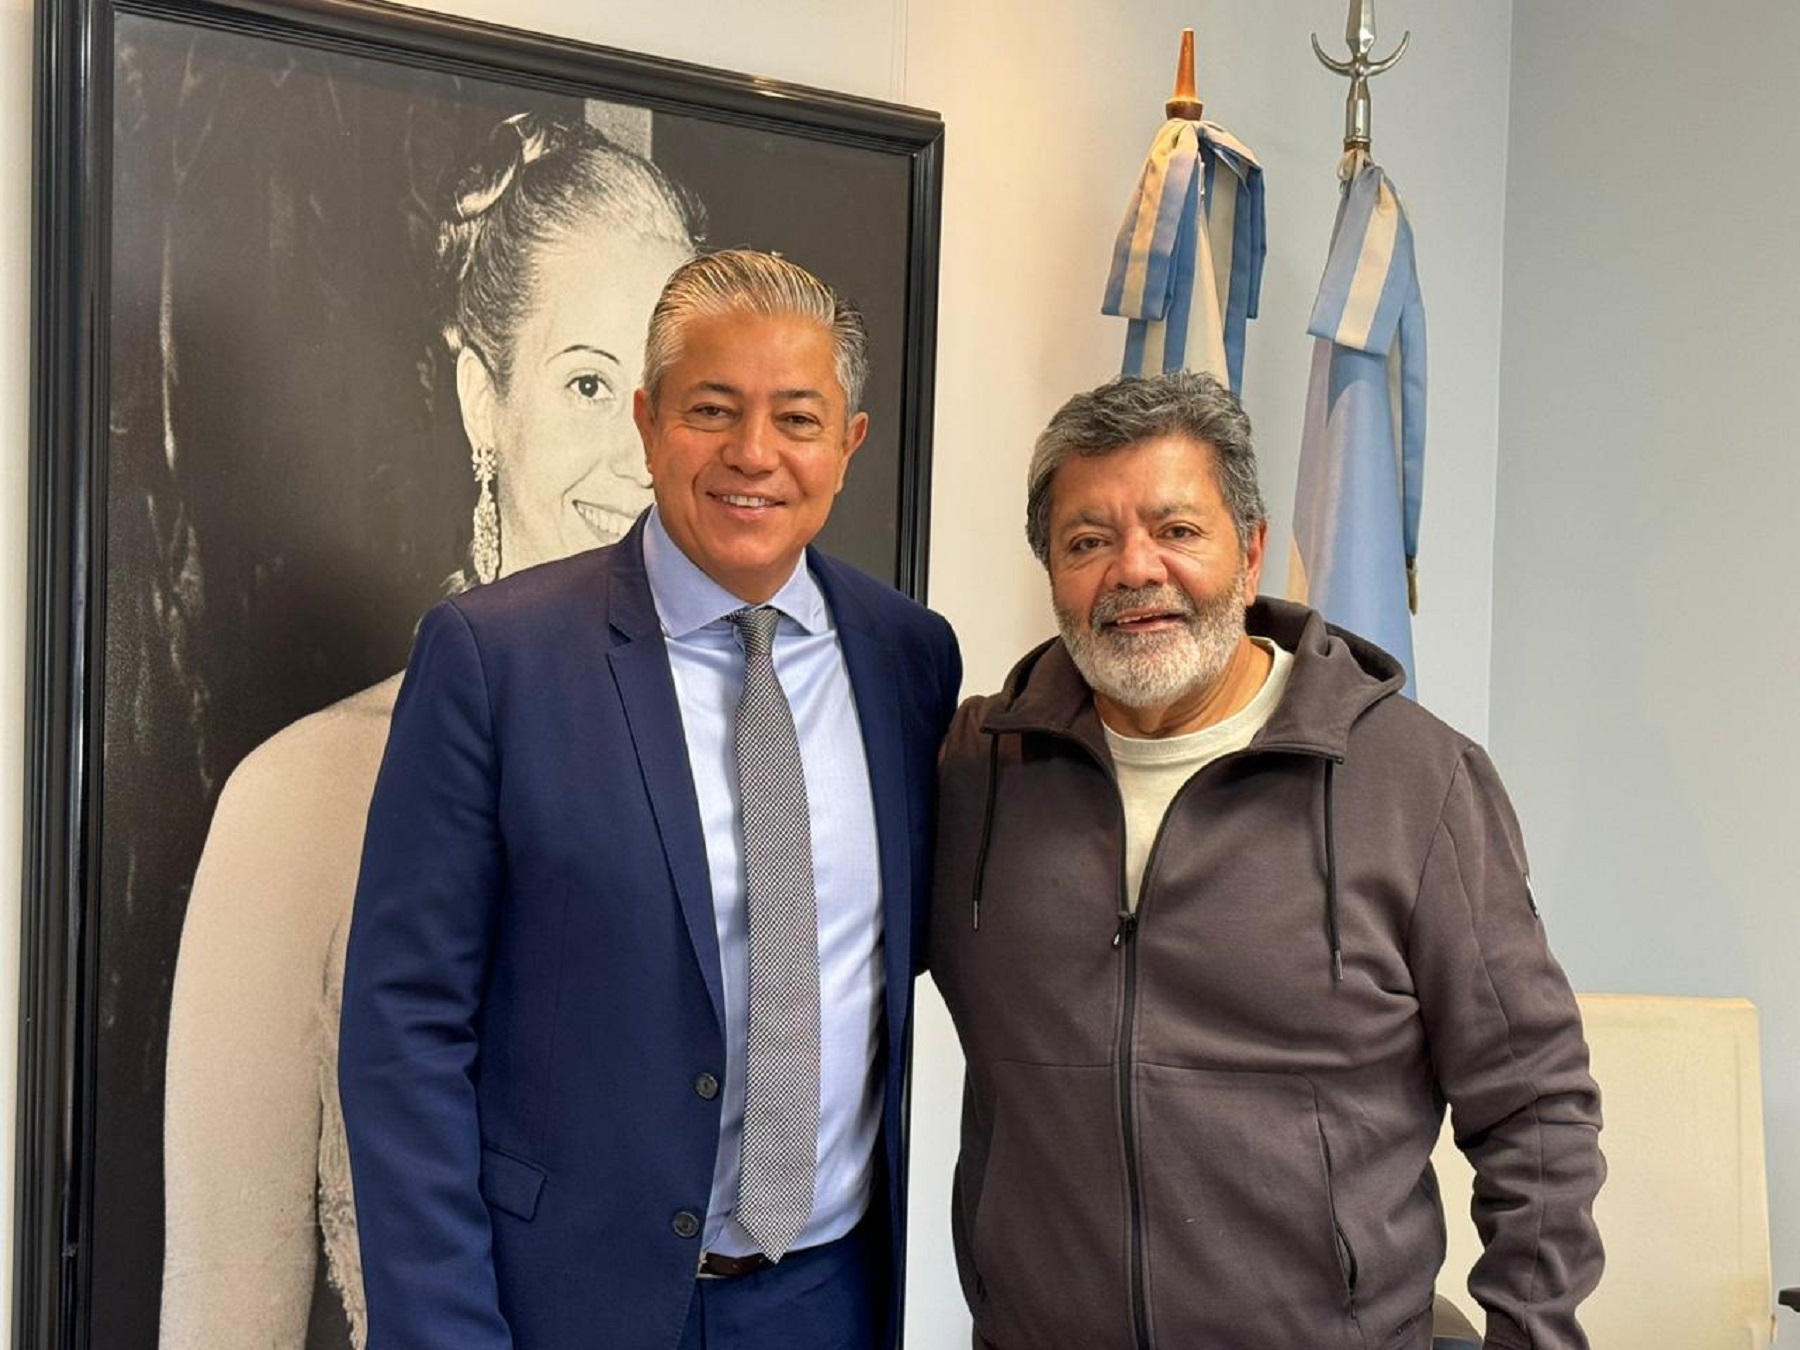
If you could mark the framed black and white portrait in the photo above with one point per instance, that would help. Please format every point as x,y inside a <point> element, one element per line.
<point>280,245</point>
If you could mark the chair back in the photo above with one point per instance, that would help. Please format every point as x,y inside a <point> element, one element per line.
<point>1684,1212</point>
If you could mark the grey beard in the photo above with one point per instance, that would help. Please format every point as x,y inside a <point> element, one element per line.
<point>1150,670</point>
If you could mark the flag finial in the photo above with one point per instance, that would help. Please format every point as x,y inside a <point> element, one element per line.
<point>1359,34</point>
<point>1184,102</point>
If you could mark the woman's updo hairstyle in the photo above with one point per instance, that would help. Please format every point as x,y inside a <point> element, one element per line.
<point>536,181</point>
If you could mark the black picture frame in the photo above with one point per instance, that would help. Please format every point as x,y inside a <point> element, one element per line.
<point>95,971</point>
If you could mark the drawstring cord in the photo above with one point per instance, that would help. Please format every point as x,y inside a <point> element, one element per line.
<point>1331,885</point>
<point>987,824</point>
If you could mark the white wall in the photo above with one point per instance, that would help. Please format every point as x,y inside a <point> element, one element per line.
<point>1049,108</point>
<point>1646,649</point>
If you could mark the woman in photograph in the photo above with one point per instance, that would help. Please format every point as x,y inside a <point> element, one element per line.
<point>553,249</point>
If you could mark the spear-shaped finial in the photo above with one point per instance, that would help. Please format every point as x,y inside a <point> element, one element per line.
<point>1359,33</point>
<point>1359,28</point>
<point>1184,102</point>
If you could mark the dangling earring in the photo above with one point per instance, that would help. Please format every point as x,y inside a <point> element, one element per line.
<point>484,548</point>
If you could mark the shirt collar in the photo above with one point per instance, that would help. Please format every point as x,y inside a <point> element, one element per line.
<point>687,599</point>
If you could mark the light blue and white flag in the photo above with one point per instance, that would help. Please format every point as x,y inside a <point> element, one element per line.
<point>1362,452</point>
<point>1187,267</point>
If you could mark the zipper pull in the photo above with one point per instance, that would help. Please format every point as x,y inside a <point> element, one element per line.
<point>1128,922</point>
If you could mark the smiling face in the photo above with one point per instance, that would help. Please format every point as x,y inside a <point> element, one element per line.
<point>570,474</point>
<point>747,445</point>
<point>1149,582</point>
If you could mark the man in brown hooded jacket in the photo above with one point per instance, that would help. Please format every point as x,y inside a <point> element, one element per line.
<point>1224,922</point>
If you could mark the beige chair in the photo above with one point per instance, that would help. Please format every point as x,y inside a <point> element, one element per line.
<point>1684,1212</point>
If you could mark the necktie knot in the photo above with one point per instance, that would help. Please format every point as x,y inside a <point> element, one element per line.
<point>756,628</point>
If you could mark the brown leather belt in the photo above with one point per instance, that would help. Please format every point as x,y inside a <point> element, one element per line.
<point>714,1266</point>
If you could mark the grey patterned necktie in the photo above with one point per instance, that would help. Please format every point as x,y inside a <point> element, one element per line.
<point>781,1065</point>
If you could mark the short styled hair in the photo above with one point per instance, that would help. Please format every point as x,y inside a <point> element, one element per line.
<point>1132,409</point>
<point>746,281</point>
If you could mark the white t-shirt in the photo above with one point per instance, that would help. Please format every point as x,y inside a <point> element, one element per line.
<point>1152,771</point>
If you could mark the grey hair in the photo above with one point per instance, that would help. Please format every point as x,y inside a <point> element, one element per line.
<point>746,281</point>
<point>1131,409</point>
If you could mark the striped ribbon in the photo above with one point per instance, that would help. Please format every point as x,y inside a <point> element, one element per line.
<point>1187,265</point>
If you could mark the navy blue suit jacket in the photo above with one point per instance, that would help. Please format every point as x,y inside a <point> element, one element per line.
<point>532,991</point>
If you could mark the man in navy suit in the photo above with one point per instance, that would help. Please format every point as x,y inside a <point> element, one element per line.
<point>544,1026</point>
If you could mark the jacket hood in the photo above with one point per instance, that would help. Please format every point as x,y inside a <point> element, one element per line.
<point>1337,677</point>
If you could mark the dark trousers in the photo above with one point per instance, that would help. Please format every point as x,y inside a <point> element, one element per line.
<point>822,1298</point>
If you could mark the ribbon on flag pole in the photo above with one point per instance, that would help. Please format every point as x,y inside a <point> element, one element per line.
<point>1187,266</point>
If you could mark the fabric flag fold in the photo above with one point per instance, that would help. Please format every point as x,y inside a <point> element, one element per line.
<point>1362,449</point>
<point>1187,266</point>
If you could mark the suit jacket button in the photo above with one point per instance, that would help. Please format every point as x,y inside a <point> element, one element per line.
<point>685,1223</point>
<point>707,1086</point>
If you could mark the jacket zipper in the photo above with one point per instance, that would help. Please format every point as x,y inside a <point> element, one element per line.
<point>1123,941</point>
<point>1125,938</point>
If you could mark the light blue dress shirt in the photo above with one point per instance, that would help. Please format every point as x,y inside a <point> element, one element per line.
<point>708,666</point>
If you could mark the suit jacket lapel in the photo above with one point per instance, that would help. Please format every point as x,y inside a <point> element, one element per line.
<point>874,684</point>
<point>640,667</point>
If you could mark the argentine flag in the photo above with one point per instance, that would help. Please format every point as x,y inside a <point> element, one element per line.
<point>1362,451</point>
<point>1187,267</point>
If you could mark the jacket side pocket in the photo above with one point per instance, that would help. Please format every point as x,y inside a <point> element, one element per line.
<point>510,1184</point>
<point>1237,1177</point>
